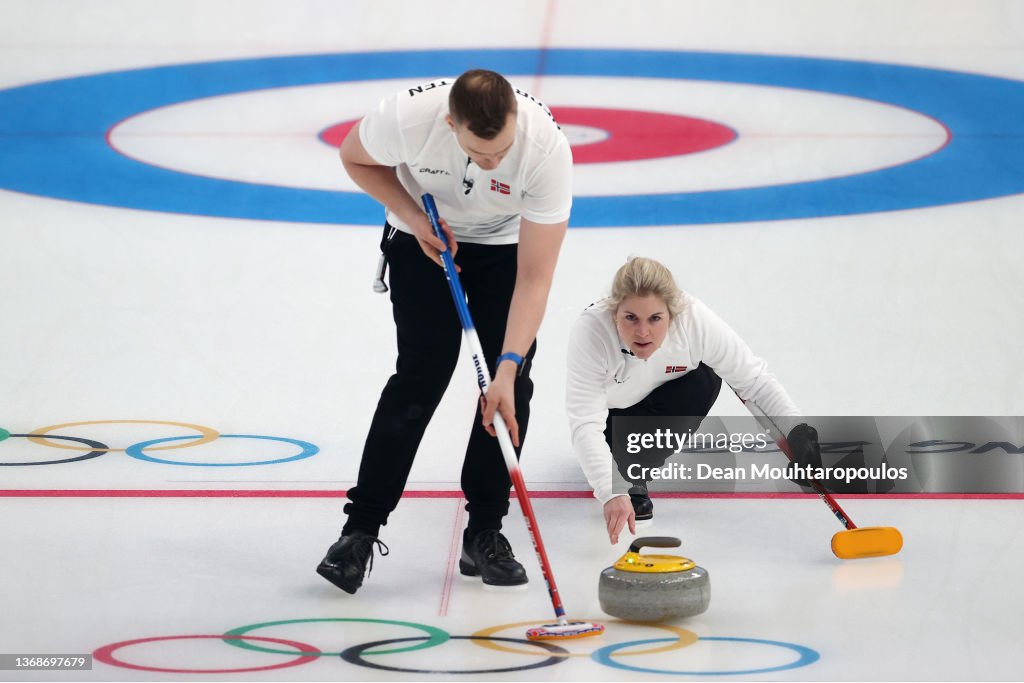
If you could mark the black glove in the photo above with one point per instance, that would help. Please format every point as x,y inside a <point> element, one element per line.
<point>804,448</point>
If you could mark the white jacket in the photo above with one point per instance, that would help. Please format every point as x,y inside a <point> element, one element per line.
<point>533,181</point>
<point>602,373</point>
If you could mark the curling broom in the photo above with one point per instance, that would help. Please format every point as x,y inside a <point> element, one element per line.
<point>853,542</point>
<point>564,628</point>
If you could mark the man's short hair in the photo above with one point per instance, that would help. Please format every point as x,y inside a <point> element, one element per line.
<point>481,100</point>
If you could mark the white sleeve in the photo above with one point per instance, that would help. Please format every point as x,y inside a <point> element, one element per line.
<point>548,197</point>
<point>733,361</point>
<point>381,134</point>
<point>586,403</point>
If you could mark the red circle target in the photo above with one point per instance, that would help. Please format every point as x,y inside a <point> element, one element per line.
<point>629,135</point>
<point>634,135</point>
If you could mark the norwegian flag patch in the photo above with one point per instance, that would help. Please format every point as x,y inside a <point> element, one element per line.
<point>500,188</point>
<point>674,368</point>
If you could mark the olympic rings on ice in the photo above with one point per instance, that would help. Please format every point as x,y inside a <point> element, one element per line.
<point>353,655</point>
<point>437,636</point>
<point>360,654</point>
<point>44,436</point>
<point>805,656</point>
<point>105,654</point>
<point>98,449</point>
<point>39,435</point>
<point>308,450</point>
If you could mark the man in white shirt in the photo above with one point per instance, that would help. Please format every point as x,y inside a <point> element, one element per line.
<point>500,171</point>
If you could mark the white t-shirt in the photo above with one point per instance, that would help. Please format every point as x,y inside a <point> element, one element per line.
<point>533,181</point>
<point>602,373</point>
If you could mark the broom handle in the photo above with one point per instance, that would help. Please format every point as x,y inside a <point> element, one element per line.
<point>783,444</point>
<point>483,380</point>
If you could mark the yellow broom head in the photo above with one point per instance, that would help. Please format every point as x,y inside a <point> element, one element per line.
<point>868,541</point>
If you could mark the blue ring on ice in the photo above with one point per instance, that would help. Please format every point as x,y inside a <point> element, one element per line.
<point>53,135</point>
<point>805,656</point>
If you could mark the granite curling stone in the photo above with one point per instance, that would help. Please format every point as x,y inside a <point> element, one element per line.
<point>654,587</point>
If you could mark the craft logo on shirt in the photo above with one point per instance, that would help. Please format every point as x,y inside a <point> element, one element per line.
<point>499,187</point>
<point>669,369</point>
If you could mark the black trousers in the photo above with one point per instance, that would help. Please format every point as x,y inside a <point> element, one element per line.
<point>429,339</point>
<point>692,395</point>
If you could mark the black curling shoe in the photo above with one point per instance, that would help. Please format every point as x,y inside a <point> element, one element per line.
<point>487,554</point>
<point>643,507</point>
<point>349,559</point>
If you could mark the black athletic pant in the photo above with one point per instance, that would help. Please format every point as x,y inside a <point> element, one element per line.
<point>429,339</point>
<point>692,395</point>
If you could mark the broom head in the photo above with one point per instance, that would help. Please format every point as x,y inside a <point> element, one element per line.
<point>869,541</point>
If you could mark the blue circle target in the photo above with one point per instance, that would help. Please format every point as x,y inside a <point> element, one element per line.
<point>53,134</point>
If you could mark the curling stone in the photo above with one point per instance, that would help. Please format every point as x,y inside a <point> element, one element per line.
<point>654,587</point>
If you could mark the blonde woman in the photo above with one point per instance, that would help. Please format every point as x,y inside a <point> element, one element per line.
<point>651,349</point>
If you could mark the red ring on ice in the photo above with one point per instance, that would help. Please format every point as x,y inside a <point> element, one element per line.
<point>632,135</point>
<point>305,654</point>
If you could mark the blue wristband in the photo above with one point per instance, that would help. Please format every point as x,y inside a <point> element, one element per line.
<point>508,355</point>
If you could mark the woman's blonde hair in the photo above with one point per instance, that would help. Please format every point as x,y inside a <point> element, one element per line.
<point>641,277</point>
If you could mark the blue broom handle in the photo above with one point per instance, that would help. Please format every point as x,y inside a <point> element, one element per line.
<point>483,375</point>
<point>449,265</point>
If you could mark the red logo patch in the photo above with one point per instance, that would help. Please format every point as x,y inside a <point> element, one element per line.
<point>500,188</point>
<point>674,368</point>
